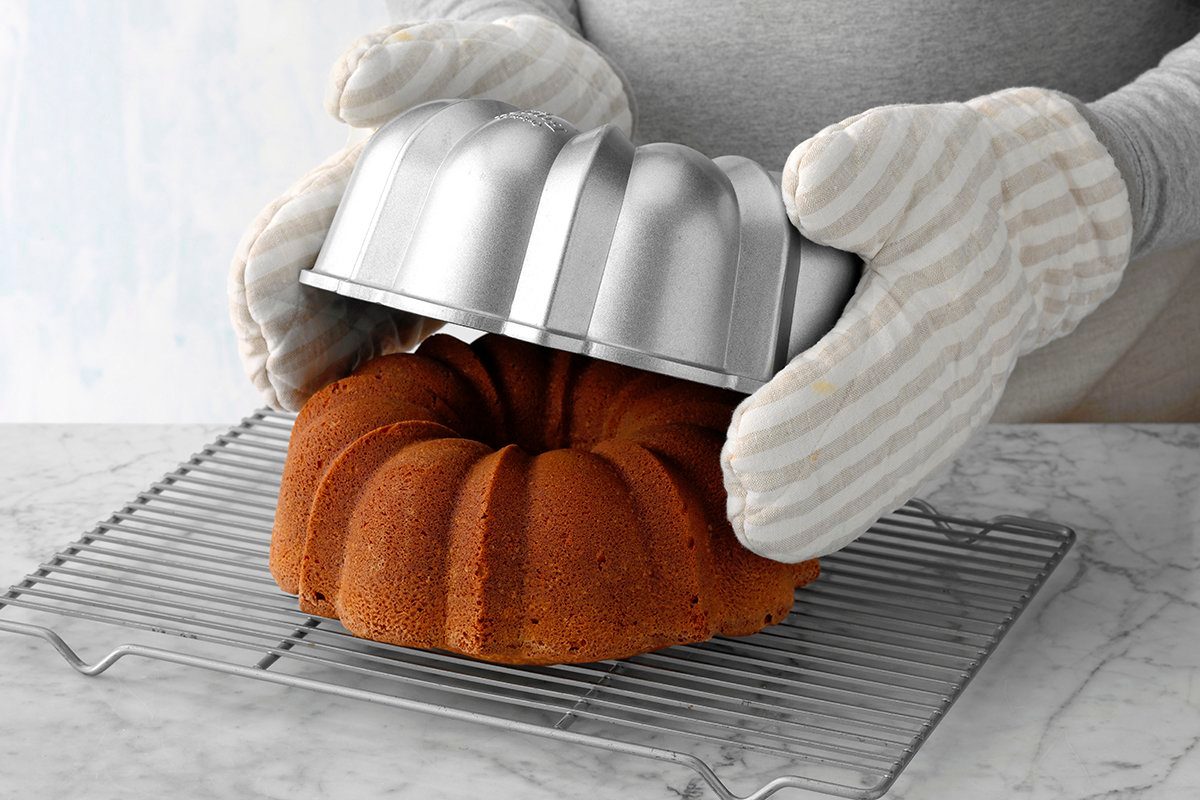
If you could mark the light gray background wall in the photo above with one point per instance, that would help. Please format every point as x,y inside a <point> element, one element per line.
<point>137,140</point>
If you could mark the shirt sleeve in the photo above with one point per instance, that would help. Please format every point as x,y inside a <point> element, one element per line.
<point>564,12</point>
<point>1152,129</point>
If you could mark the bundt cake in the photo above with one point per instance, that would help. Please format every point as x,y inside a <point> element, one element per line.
<point>521,505</point>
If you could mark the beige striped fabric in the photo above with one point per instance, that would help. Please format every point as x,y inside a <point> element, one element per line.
<point>988,229</point>
<point>525,60</point>
<point>294,339</point>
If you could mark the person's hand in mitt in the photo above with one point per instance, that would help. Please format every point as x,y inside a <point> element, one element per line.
<point>294,339</point>
<point>988,229</point>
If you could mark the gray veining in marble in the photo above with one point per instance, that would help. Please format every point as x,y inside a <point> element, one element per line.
<point>1096,692</point>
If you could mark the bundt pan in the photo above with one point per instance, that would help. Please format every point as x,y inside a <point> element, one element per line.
<point>514,222</point>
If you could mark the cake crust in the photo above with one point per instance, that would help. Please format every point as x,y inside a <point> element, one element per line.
<point>519,505</point>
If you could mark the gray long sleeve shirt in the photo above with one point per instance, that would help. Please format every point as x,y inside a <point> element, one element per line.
<point>757,78</point>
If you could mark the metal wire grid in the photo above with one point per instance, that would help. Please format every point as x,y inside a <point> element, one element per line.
<point>838,698</point>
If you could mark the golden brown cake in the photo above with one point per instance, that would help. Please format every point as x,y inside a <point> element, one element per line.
<point>519,504</point>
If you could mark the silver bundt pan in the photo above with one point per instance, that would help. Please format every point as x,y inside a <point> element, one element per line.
<point>513,222</point>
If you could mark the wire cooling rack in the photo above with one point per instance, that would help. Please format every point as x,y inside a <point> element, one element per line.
<point>838,698</point>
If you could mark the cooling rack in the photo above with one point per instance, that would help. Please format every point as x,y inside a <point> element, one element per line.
<point>837,699</point>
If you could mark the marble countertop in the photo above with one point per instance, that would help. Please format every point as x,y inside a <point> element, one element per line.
<point>1095,692</point>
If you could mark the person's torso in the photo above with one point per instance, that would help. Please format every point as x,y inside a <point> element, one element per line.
<point>756,78</point>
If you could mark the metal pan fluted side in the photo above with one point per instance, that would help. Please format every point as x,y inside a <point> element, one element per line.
<point>513,222</point>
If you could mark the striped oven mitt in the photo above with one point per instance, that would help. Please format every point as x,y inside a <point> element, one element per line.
<point>294,339</point>
<point>988,228</point>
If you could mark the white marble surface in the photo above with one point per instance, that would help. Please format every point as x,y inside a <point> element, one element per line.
<point>1095,693</point>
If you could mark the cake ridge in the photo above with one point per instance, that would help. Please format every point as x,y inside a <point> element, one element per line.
<point>495,354</point>
<point>561,376</point>
<point>317,450</point>
<point>479,585</point>
<point>703,610</point>
<point>493,584</point>
<point>619,403</point>
<point>408,558</point>
<point>458,357</point>
<point>457,539</point>
<point>323,597</point>
<point>393,367</point>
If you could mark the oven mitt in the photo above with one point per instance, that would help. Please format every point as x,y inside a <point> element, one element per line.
<point>988,229</point>
<point>294,339</point>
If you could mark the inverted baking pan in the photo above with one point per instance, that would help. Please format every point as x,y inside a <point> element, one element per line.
<point>514,222</point>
